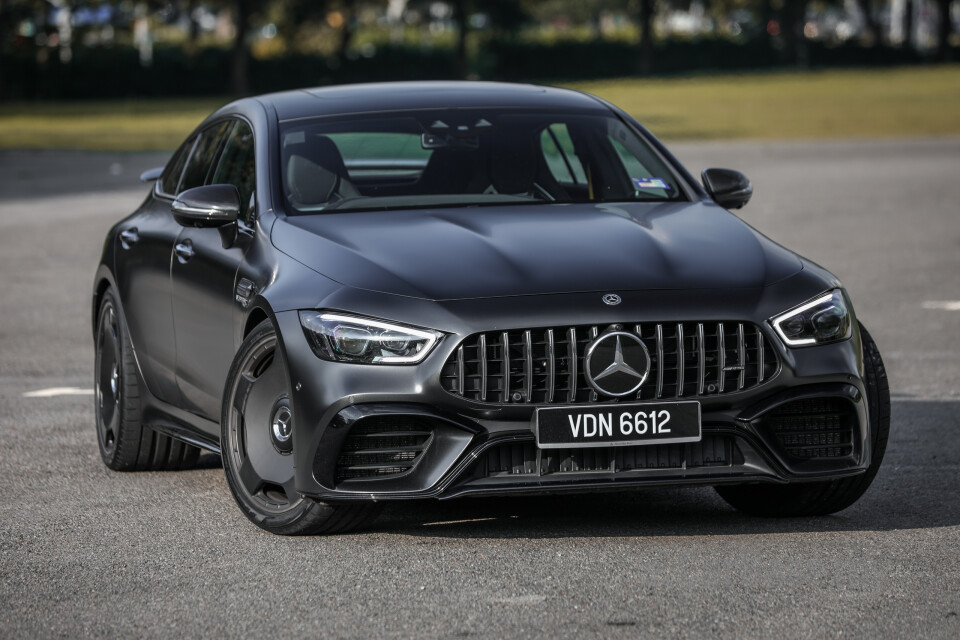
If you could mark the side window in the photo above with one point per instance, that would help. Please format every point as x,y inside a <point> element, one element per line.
<point>560,155</point>
<point>171,175</point>
<point>204,153</point>
<point>237,166</point>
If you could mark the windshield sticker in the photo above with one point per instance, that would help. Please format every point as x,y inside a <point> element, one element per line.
<point>650,183</point>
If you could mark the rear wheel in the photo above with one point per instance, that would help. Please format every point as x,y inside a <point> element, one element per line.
<point>257,441</point>
<point>822,498</point>
<point>125,444</point>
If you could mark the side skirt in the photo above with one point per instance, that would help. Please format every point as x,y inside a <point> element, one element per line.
<point>177,423</point>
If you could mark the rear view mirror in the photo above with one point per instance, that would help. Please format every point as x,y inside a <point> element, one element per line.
<point>212,205</point>
<point>728,188</point>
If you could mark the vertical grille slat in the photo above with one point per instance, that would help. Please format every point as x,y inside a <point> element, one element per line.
<point>681,360</point>
<point>702,359</point>
<point>527,366</point>
<point>546,365</point>
<point>505,345</point>
<point>483,367</point>
<point>760,357</point>
<point>741,357</point>
<point>659,361</point>
<point>460,367</point>
<point>594,331</point>
<point>639,331</point>
<point>551,366</point>
<point>722,355</point>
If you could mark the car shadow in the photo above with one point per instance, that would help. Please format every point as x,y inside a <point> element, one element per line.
<point>916,488</point>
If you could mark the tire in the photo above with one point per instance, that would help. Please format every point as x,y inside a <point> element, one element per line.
<point>823,498</point>
<point>257,440</point>
<point>125,444</point>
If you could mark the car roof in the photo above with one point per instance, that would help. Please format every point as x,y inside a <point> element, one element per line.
<point>401,96</point>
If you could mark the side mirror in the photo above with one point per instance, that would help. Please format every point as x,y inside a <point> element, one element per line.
<point>730,189</point>
<point>213,205</point>
<point>151,175</point>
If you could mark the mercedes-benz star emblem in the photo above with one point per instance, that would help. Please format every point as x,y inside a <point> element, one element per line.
<point>617,363</point>
<point>611,299</point>
<point>281,428</point>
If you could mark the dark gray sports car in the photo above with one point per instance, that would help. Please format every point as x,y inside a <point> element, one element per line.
<point>406,291</point>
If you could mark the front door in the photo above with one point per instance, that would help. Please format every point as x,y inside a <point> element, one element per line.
<point>203,275</point>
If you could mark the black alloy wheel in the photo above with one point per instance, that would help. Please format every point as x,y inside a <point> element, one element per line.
<point>108,391</point>
<point>125,444</point>
<point>257,441</point>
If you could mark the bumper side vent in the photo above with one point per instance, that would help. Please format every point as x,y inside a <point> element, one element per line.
<point>815,428</point>
<point>382,447</point>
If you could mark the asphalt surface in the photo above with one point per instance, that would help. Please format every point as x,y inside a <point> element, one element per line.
<point>88,552</point>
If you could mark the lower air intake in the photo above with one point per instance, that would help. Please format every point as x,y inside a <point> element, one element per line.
<point>382,447</point>
<point>523,459</point>
<point>815,428</point>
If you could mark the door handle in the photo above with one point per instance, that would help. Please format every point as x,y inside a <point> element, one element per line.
<point>184,251</point>
<point>129,237</point>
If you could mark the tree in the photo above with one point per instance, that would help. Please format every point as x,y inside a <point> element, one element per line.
<point>506,15</point>
<point>793,14</point>
<point>240,51</point>
<point>944,29</point>
<point>645,14</point>
<point>908,23</point>
<point>870,19</point>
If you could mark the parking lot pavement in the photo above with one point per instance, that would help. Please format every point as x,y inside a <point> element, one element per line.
<point>85,551</point>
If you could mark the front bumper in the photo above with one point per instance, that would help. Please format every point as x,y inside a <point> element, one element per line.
<point>483,449</point>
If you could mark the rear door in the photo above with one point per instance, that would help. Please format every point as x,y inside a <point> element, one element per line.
<point>143,279</point>
<point>203,275</point>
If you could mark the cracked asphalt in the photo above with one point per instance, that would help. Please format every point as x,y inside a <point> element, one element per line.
<point>89,552</point>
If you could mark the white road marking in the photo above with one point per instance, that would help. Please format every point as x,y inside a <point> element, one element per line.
<point>943,305</point>
<point>520,600</point>
<point>437,524</point>
<point>58,391</point>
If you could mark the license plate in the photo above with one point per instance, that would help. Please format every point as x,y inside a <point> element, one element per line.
<point>617,425</point>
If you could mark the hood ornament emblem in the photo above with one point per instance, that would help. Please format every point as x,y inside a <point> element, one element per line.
<point>611,299</point>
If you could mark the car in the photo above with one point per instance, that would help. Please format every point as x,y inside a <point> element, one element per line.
<point>386,292</point>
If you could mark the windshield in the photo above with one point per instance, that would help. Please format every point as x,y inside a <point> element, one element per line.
<point>461,157</point>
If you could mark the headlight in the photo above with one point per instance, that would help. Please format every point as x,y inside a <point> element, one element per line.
<point>820,321</point>
<point>342,338</point>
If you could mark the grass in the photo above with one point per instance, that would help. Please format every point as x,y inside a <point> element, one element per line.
<point>909,101</point>
<point>906,101</point>
<point>118,125</point>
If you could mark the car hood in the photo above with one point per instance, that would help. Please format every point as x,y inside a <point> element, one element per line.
<point>479,252</point>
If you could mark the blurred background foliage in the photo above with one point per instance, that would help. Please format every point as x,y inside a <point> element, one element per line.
<point>66,49</point>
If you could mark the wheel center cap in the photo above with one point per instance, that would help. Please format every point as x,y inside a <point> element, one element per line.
<point>281,427</point>
<point>281,424</point>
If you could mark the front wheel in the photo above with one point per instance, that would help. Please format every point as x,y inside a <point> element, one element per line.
<point>257,442</point>
<point>823,498</point>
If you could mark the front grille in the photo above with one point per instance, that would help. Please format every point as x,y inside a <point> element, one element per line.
<point>521,459</point>
<point>813,428</point>
<point>381,447</point>
<point>543,366</point>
